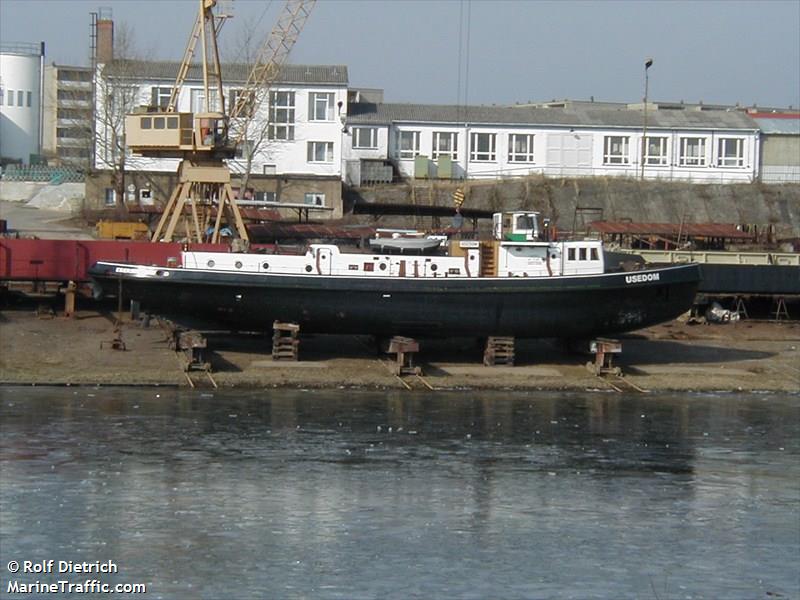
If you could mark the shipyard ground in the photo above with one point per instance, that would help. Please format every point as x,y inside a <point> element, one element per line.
<point>52,350</point>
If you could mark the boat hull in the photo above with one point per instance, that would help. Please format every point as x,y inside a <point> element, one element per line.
<point>560,307</point>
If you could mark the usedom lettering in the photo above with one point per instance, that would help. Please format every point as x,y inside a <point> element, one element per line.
<point>642,277</point>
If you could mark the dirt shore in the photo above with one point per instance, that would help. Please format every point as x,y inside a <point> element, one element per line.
<point>745,355</point>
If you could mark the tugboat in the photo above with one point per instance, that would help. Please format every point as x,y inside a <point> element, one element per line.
<point>521,283</point>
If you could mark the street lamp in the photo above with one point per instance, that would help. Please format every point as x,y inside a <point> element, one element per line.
<point>647,64</point>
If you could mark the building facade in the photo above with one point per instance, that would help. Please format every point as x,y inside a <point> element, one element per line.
<point>20,102</point>
<point>568,139</point>
<point>293,147</point>
<point>780,145</point>
<point>67,119</point>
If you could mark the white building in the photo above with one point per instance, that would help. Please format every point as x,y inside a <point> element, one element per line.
<point>565,139</point>
<point>20,101</point>
<point>306,104</point>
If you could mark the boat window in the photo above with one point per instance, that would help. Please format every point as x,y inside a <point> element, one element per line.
<point>530,251</point>
<point>434,266</point>
<point>158,123</point>
<point>172,122</point>
<point>383,266</point>
<point>369,267</point>
<point>352,267</point>
<point>595,254</point>
<point>211,263</point>
<point>524,222</point>
<point>147,122</point>
<point>265,266</point>
<point>571,254</point>
<point>308,268</point>
<point>454,271</point>
<point>238,264</point>
<point>581,253</point>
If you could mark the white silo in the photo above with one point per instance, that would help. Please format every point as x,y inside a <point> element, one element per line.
<point>20,100</point>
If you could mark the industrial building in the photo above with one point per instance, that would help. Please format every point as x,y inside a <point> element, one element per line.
<point>21,70</point>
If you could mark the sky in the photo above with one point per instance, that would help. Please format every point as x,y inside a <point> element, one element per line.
<point>481,51</point>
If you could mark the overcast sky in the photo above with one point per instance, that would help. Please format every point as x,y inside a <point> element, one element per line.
<point>511,51</point>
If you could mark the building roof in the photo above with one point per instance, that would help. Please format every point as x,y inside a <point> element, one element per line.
<point>778,123</point>
<point>231,73</point>
<point>574,116</point>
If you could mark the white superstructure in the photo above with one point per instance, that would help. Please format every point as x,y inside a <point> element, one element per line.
<point>519,247</point>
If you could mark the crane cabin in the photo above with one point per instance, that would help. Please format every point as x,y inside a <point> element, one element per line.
<point>176,134</point>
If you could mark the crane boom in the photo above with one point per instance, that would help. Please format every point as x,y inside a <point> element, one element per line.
<point>207,26</point>
<point>203,139</point>
<point>271,57</point>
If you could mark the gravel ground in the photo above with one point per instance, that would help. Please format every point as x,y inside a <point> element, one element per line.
<point>747,355</point>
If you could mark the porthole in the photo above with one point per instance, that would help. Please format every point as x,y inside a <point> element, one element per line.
<point>382,266</point>
<point>308,268</point>
<point>211,263</point>
<point>162,273</point>
<point>434,267</point>
<point>472,257</point>
<point>238,264</point>
<point>265,266</point>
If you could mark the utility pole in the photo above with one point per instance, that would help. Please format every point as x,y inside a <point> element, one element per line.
<point>647,64</point>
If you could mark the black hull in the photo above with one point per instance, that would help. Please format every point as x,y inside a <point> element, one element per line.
<point>561,307</point>
<point>767,280</point>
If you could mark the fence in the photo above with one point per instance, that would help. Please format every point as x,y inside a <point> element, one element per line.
<point>53,175</point>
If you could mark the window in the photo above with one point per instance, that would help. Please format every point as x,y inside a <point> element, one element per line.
<point>70,132</point>
<point>73,113</point>
<point>243,105</point>
<point>111,197</point>
<point>74,95</point>
<point>581,253</point>
<point>520,147</point>
<point>617,150</point>
<point>158,123</point>
<point>482,147</point>
<point>20,98</point>
<point>595,255</point>
<point>265,197</point>
<point>656,151</point>
<point>159,96</point>
<point>245,149</point>
<point>28,98</point>
<point>197,98</point>
<point>315,199</point>
<point>730,152</point>
<point>281,115</point>
<point>408,144</point>
<point>693,152</point>
<point>365,137</point>
<point>445,143</point>
<point>570,253</point>
<point>1,96</point>
<point>320,106</point>
<point>11,97</point>
<point>146,122</point>
<point>320,152</point>
<point>172,122</point>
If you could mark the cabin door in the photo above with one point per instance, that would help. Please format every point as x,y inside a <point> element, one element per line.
<point>323,261</point>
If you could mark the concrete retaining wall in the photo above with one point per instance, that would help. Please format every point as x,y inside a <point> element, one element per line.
<point>652,201</point>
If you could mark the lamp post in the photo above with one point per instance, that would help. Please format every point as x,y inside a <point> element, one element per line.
<point>647,64</point>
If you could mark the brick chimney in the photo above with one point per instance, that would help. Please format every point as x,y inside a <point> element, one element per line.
<point>105,39</point>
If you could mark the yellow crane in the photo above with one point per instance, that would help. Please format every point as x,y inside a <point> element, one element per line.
<point>204,140</point>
